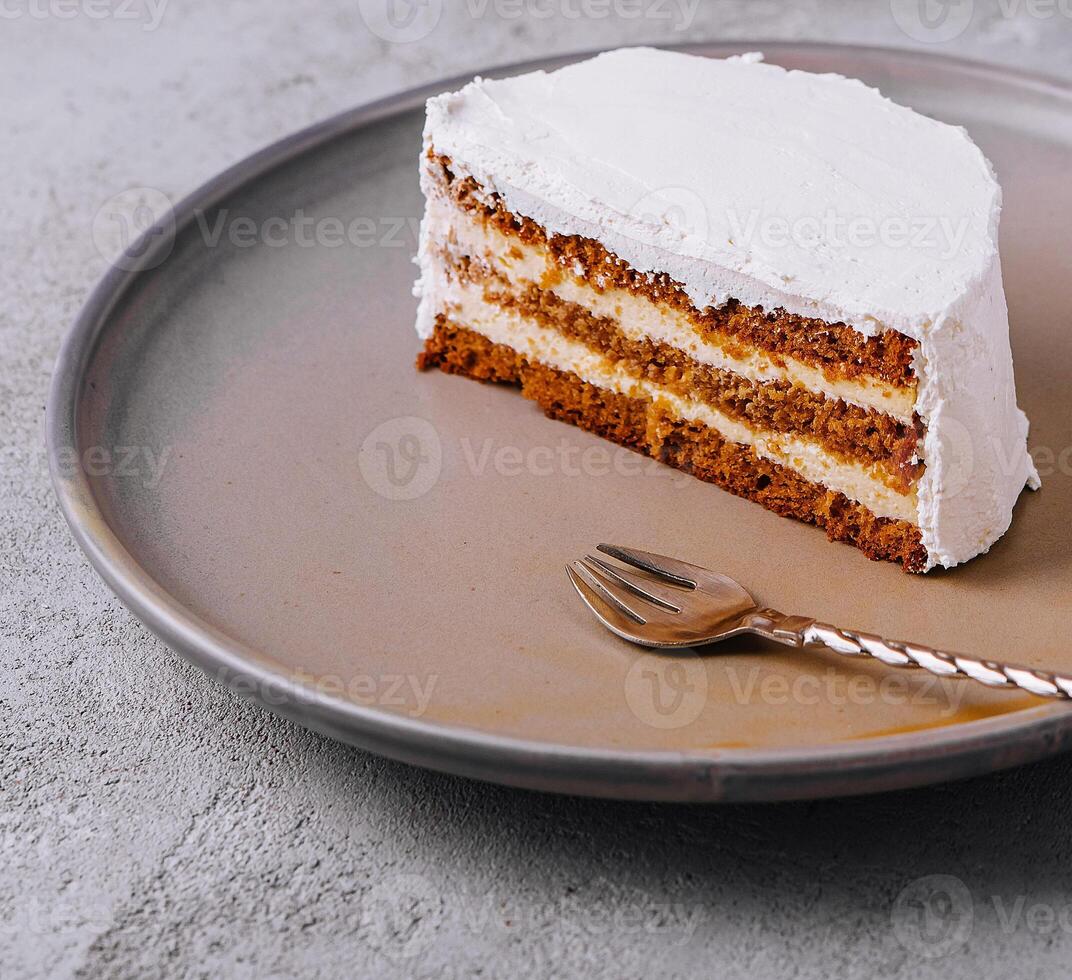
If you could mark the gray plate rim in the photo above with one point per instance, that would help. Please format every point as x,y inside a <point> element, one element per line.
<point>731,775</point>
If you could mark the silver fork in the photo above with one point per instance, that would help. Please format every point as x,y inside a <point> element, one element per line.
<point>671,603</point>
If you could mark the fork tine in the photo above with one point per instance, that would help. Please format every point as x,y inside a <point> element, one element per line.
<point>639,585</point>
<point>669,569</point>
<point>596,594</point>
<point>654,615</point>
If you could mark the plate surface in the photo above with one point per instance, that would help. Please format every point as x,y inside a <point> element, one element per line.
<point>244,450</point>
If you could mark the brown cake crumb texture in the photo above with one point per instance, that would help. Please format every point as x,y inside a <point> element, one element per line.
<point>850,433</point>
<point>836,349</point>
<point>694,448</point>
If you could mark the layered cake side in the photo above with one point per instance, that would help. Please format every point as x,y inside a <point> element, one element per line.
<point>540,268</point>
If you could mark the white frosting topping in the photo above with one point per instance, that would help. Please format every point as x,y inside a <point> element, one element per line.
<point>779,188</point>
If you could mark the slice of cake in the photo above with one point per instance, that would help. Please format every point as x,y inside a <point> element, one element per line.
<point>780,282</point>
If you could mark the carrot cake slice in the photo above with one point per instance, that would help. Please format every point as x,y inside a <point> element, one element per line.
<point>780,282</point>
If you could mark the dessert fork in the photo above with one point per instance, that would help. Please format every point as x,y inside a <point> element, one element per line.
<point>669,603</point>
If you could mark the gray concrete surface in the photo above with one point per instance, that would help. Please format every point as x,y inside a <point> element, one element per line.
<point>152,824</point>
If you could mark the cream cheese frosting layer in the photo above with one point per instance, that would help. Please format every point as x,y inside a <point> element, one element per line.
<point>813,193</point>
<point>462,236</point>
<point>466,305</point>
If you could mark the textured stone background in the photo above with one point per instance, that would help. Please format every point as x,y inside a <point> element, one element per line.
<point>153,824</point>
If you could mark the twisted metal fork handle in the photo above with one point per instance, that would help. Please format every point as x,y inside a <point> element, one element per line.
<point>851,643</point>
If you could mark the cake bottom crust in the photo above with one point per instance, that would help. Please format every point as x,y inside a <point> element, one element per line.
<point>688,446</point>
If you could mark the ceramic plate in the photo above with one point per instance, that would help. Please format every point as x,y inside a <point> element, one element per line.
<point>243,448</point>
